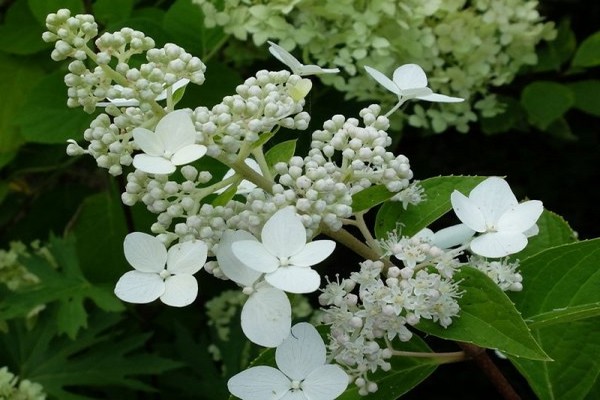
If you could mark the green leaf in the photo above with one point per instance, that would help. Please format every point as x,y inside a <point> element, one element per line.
<point>185,22</point>
<point>106,11</point>
<point>281,152</point>
<point>586,96</point>
<point>20,32</point>
<point>41,8</point>
<point>487,318</point>
<point>574,347</point>
<point>558,51</point>
<point>370,197</point>
<point>102,356</point>
<point>588,53</point>
<point>65,286</point>
<point>100,228</point>
<point>554,231</point>
<point>17,79</point>
<point>45,118</point>
<point>561,285</point>
<point>437,203</point>
<point>406,373</point>
<point>546,101</point>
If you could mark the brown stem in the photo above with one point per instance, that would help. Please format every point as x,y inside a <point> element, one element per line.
<point>483,361</point>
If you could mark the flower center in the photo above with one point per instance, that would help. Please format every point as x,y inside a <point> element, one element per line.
<point>284,261</point>
<point>164,274</point>
<point>296,385</point>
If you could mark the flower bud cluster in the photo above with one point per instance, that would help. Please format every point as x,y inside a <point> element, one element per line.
<point>13,273</point>
<point>71,34</point>
<point>262,103</point>
<point>503,272</point>
<point>371,307</point>
<point>13,388</point>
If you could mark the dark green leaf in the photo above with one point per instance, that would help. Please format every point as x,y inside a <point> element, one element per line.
<point>558,51</point>
<point>41,8</point>
<point>370,197</point>
<point>586,96</point>
<point>546,101</point>
<point>20,32</point>
<point>45,118</point>
<point>106,11</point>
<point>281,152</point>
<point>487,318</point>
<point>563,315</point>
<point>437,203</point>
<point>588,53</point>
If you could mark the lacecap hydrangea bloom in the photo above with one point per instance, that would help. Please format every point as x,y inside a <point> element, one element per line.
<point>466,48</point>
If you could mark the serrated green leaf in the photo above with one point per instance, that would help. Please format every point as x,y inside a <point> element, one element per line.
<point>487,318</point>
<point>370,197</point>
<point>20,32</point>
<point>588,53</point>
<point>545,102</point>
<point>586,96</point>
<point>574,347</point>
<point>41,8</point>
<point>437,203</point>
<point>554,231</point>
<point>563,315</point>
<point>281,152</point>
<point>45,117</point>
<point>71,316</point>
<point>185,22</point>
<point>106,11</point>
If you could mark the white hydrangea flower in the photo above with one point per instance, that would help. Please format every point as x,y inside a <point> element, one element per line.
<point>296,66</point>
<point>448,237</point>
<point>410,82</point>
<point>283,255</point>
<point>267,314</point>
<point>493,210</point>
<point>302,374</point>
<point>174,284</point>
<point>120,102</point>
<point>172,143</point>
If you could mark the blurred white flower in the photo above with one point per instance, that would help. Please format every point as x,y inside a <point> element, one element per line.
<point>175,285</point>
<point>493,210</point>
<point>283,255</point>
<point>296,66</point>
<point>302,373</point>
<point>410,82</point>
<point>267,314</point>
<point>171,144</point>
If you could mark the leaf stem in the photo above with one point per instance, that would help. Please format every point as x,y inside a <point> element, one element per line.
<point>441,358</point>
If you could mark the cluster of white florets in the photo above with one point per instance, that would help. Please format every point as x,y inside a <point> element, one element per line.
<point>503,272</point>
<point>374,306</point>
<point>13,388</point>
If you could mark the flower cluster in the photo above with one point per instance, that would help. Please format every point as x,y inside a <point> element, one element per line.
<point>11,388</point>
<point>466,47</point>
<point>13,273</point>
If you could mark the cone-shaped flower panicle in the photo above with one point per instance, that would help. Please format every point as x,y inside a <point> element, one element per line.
<point>171,144</point>
<point>301,372</point>
<point>493,210</point>
<point>296,66</point>
<point>283,254</point>
<point>159,273</point>
<point>410,82</point>
<point>267,314</point>
<point>120,102</point>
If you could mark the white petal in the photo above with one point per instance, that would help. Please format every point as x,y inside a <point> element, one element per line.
<point>534,230</point>
<point>383,80</point>
<point>325,383</point>
<point>233,268</point>
<point>521,217</point>
<point>415,92</point>
<point>187,257</point>
<point>498,244</point>
<point>139,287</point>
<point>452,236</point>
<point>153,165</point>
<point>177,85</point>
<point>295,395</point>
<point>148,141</point>
<point>425,234</point>
<point>409,76</point>
<point>180,290</point>
<point>267,317</point>
<point>284,234</point>
<point>493,197</point>
<point>440,98</point>
<point>467,211</point>
<point>176,130</point>
<point>295,279</point>
<point>118,102</point>
<point>254,255</point>
<point>301,352</point>
<point>188,154</point>
<point>145,252</point>
<point>285,57</point>
<point>313,253</point>
<point>315,69</point>
<point>259,383</point>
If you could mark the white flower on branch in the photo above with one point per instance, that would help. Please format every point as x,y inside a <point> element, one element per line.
<point>174,284</point>
<point>296,66</point>
<point>493,210</point>
<point>302,373</point>
<point>172,143</point>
